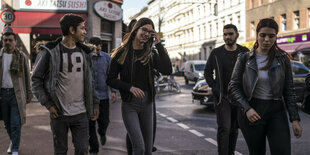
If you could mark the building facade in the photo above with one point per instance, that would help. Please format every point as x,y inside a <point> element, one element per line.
<point>292,16</point>
<point>192,28</point>
<point>38,20</point>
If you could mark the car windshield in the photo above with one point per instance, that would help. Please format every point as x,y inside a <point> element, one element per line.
<point>200,67</point>
<point>299,68</point>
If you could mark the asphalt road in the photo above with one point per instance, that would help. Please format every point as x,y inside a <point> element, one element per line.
<point>183,128</point>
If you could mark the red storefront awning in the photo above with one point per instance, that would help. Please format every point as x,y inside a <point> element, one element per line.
<point>39,22</point>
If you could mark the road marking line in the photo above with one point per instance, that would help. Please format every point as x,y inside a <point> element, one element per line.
<point>157,112</point>
<point>212,141</point>
<point>238,153</point>
<point>43,127</point>
<point>172,119</point>
<point>196,133</point>
<point>163,115</point>
<point>183,125</point>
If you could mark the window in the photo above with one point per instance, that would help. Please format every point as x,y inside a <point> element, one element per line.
<point>283,21</point>
<point>308,17</point>
<point>252,29</point>
<point>252,3</point>
<point>261,2</point>
<point>296,20</point>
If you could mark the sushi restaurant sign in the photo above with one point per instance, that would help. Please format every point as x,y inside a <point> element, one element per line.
<point>108,10</point>
<point>63,5</point>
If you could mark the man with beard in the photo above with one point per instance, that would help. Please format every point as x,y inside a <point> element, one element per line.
<point>221,62</point>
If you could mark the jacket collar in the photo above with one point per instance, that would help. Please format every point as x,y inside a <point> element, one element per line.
<point>252,61</point>
<point>53,44</point>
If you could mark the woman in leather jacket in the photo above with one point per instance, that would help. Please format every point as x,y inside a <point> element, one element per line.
<point>262,84</point>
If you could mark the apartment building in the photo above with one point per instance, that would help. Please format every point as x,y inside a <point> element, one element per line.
<point>192,28</point>
<point>292,16</point>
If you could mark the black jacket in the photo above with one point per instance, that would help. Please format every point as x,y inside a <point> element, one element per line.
<point>245,76</point>
<point>214,63</point>
<point>160,61</point>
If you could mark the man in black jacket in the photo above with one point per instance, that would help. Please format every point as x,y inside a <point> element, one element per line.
<point>221,62</point>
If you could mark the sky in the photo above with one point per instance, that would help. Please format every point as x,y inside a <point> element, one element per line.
<point>131,7</point>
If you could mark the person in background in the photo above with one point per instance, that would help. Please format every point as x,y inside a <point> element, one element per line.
<point>135,63</point>
<point>15,89</point>
<point>262,82</point>
<point>101,61</point>
<point>62,82</point>
<point>221,63</point>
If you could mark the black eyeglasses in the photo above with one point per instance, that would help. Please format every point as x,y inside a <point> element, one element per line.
<point>145,30</point>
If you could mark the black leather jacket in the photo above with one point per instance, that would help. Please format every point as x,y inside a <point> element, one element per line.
<point>245,76</point>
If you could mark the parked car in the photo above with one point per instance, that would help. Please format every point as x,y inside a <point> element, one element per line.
<point>300,72</point>
<point>194,70</point>
<point>202,92</point>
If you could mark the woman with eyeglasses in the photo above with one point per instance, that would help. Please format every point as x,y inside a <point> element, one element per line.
<point>262,84</point>
<point>135,61</point>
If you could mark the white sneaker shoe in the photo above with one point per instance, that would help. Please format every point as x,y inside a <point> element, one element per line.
<point>15,153</point>
<point>9,151</point>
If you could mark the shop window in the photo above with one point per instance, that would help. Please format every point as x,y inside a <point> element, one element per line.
<point>107,26</point>
<point>283,22</point>
<point>252,29</point>
<point>296,20</point>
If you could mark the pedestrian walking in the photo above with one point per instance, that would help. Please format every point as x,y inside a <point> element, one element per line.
<point>128,142</point>
<point>261,84</point>
<point>101,61</point>
<point>135,61</point>
<point>15,89</point>
<point>62,82</point>
<point>221,62</point>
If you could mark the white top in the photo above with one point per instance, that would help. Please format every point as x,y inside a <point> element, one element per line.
<point>6,64</point>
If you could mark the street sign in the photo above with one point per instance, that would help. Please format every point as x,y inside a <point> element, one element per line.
<point>7,16</point>
<point>7,29</point>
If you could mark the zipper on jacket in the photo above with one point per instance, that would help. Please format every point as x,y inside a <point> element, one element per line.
<point>218,68</point>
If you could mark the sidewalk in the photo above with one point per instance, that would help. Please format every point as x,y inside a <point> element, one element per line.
<point>37,136</point>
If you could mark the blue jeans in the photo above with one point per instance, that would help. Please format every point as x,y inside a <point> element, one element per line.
<point>11,118</point>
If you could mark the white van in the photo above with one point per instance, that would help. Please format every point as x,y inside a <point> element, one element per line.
<point>194,70</point>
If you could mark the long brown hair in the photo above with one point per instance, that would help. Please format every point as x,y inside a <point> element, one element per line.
<point>127,43</point>
<point>270,23</point>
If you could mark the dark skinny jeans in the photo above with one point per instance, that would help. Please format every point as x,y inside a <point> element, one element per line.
<point>227,131</point>
<point>273,125</point>
<point>138,119</point>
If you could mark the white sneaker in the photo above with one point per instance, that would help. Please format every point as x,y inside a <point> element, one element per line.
<point>15,153</point>
<point>9,151</point>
